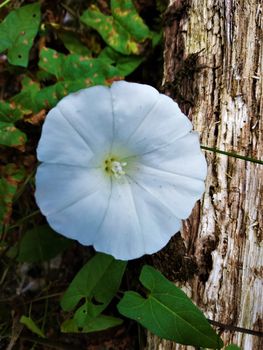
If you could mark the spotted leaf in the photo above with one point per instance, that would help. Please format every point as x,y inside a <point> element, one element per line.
<point>11,176</point>
<point>11,136</point>
<point>17,32</point>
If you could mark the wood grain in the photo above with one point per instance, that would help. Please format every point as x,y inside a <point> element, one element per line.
<point>214,70</point>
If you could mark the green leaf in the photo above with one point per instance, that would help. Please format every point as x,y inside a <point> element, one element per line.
<point>30,324</point>
<point>73,44</point>
<point>97,283</point>
<point>124,64</point>
<point>25,100</point>
<point>72,72</point>
<point>11,136</point>
<point>52,61</point>
<point>111,31</point>
<point>96,324</point>
<point>124,31</point>
<point>126,14</point>
<point>40,244</point>
<point>168,312</point>
<point>71,67</point>
<point>232,347</point>
<point>114,33</point>
<point>17,32</point>
<point>11,176</point>
<point>9,112</point>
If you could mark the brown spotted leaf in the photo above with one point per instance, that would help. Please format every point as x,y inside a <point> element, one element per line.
<point>11,136</point>
<point>126,14</point>
<point>9,112</point>
<point>70,73</point>
<point>10,177</point>
<point>25,100</point>
<point>124,31</point>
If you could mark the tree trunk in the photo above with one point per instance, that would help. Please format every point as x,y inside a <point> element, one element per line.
<point>214,70</point>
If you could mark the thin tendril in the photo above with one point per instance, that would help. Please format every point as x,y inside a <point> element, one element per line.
<point>249,159</point>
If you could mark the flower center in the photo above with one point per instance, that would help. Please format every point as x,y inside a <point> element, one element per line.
<point>114,167</point>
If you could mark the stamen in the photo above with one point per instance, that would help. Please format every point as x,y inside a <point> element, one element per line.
<point>117,168</point>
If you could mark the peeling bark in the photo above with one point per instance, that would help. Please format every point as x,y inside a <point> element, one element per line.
<point>214,70</point>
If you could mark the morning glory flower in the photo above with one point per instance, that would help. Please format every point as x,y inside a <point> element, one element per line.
<point>121,167</point>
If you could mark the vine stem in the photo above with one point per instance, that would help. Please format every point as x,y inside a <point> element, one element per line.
<point>235,329</point>
<point>4,3</point>
<point>252,160</point>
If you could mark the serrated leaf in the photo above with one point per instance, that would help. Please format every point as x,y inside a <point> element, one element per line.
<point>30,324</point>
<point>17,32</point>
<point>124,64</point>
<point>41,244</point>
<point>97,283</point>
<point>96,324</point>
<point>11,176</point>
<point>168,312</point>
<point>11,136</point>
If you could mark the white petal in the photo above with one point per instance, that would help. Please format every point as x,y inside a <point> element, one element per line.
<point>131,104</point>
<point>134,223</point>
<point>89,111</point>
<point>74,200</point>
<point>60,143</point>
<point>176,192</point>
<point>162,125</point>
<point>59,186</point>
<point>182,157</point>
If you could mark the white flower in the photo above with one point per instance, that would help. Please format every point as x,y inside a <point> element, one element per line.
<point>120,169</point>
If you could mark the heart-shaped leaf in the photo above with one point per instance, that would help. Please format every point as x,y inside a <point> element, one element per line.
<point>97,283</point>
<point>17,32</point>
<point>168,312</point>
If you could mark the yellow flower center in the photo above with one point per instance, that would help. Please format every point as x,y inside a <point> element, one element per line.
<point>114,167</point>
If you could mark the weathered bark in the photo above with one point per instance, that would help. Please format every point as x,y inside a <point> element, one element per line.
<point>214,70</point>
